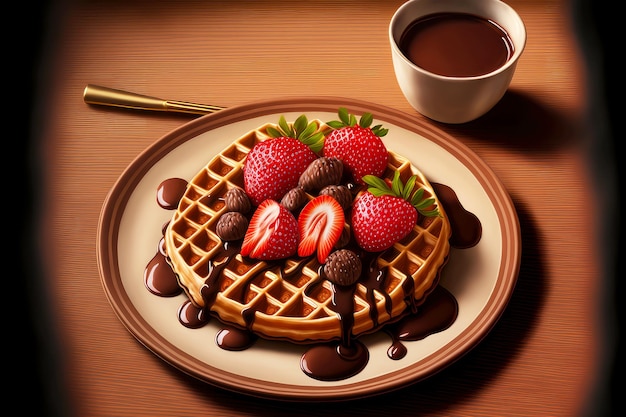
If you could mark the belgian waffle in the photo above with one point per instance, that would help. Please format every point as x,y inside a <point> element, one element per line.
<point>288,299</point>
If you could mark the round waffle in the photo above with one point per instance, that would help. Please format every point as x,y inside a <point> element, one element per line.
<point>288,299</point>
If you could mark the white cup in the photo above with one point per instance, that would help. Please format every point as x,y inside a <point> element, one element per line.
<point>452,99</point>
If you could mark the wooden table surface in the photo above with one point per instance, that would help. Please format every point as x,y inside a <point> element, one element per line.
<point>543,357</point>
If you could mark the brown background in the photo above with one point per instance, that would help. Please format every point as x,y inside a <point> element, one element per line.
<point>547,354</point>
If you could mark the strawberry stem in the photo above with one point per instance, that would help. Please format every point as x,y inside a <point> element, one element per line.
<point>307,133</point>
<point>379,187</point>
<point>347,119</point>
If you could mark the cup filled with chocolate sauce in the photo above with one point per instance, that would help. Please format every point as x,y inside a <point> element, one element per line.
<point>455,59</point>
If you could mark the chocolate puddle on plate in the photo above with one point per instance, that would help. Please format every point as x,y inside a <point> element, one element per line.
<point>323,361</point>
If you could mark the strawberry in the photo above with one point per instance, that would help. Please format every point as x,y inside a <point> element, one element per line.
<point>274,166</point>
<point>383,215</point>
<point>320,225</point>
<point>272,233</point>
<point>358,146</point>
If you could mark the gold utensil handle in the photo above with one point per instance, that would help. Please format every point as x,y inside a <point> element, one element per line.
<point>105,96</point>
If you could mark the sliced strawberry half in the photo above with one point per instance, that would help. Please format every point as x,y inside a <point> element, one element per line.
<point>272,233</point>
<point>320,224</point>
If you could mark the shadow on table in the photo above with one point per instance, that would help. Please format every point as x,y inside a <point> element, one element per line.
<point>519,122</point>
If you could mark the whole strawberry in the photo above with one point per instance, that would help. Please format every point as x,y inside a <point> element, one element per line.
<point>357,145</point>
<point>383,215</point>
<point>274,166</point>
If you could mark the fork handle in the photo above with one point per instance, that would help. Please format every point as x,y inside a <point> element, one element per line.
<point>105,96</point>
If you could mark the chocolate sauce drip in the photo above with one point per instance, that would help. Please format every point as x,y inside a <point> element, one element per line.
<point>315,283</point>
<point>232,338</point>
<point>343,304</point>
<point>191,316</point>
<point>346,358</point>
<point>436,314</point>
<point>466,228</point>
<point>408,287</point>
<point>158,275</point>
<point>211,286</point>
<point>239,294</point>
<point>334,362</point>
<point>170,191</point>
<point>374,279</point>
<point>248,315</point>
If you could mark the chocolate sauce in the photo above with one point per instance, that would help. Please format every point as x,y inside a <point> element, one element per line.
<point>374,280</point>
<point>158,275</point>
<point>466,228</point>
<point>232,338</point>
<point>337,360</point>
<point>408,286</point>
<point>325,361</point>
<point>334,362</point>
<point>436,314</point>
<point>192,316</point>
<point>456,44</point>
<point>170,191</point>
<point>211,287</point>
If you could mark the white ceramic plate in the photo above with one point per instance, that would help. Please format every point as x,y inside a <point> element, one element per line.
<point>481,278</point>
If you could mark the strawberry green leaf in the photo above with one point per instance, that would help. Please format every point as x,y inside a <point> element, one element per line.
<point>377,186</point>
<point>417,197</point>
<point>353,120</point>
<point>344,116</point>
<point>408,187</point>
<point>377,192</point>
<point>421,204</point>
<point>306,130</point>
<point>300,125</point>
<point>274,133</point>
<point>335,124</point>
<point>375,182</point>
<point>429,213</point>
<point>287,130</point>
<point>425,203</point>
<point>380,131</point>
<point>315,142</point>
<point>366,120</point>
<point>396,184</point>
